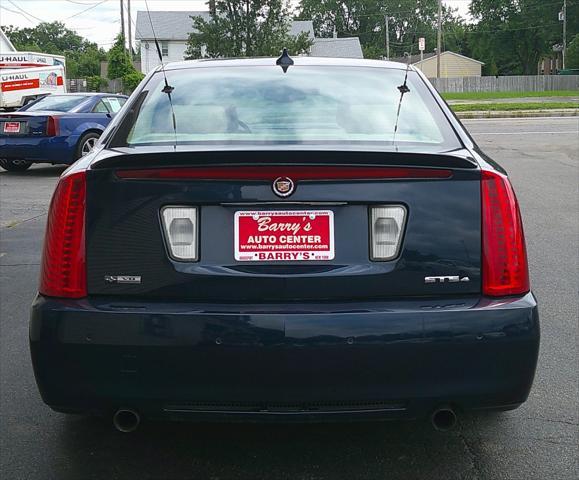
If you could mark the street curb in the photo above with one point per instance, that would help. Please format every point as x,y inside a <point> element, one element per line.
<point>555,112</point>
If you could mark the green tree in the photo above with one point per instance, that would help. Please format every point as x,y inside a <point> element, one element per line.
<point>513,35</point>
<point>119,62</point>
<point>131,81</point>
<point>245,28</point>
<point>82,57</point>
<point>572,59</point>
<point>366,19</point>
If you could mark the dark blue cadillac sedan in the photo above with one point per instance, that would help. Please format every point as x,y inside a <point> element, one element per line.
<point>320,240</point>
<point>55,129</point>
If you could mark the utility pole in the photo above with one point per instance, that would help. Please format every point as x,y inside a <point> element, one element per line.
<point>564,31</point>
<point>386,21</point>
<point>123,24</point>
<point>439,39</point>
<point>130,31</point>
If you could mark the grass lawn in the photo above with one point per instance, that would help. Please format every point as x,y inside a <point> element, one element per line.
<point>472,107</point>
<point>492,95</point>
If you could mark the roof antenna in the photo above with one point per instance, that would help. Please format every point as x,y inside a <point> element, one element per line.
<point>168,89</point>
<point>404,87</point>
<point>285,61</point>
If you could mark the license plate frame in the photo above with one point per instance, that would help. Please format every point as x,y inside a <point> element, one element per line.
<point>303,226</point>
<point>12,127</point>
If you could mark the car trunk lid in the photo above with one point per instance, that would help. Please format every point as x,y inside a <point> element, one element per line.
<point>127,245</point>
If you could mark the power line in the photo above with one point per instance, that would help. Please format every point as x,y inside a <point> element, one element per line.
<point>85,10</point>
<point>17,13</point>
<point>25,12</point>
<point>81,3</point>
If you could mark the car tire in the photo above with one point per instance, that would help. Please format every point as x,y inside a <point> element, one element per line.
<point>14,165</point>
<point>86,144</point>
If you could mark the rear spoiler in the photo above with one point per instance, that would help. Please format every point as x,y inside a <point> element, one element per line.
<point>146,157</point>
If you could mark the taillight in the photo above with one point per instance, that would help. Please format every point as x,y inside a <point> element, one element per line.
<point>52,126</point>
<point>63,271</point>
<point>505,270</point>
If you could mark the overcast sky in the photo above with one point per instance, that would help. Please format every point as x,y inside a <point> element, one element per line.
<point>97,20</point>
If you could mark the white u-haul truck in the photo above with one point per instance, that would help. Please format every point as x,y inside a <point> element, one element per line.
<point>26,76</point>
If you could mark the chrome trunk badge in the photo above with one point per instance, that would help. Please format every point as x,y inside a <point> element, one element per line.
<point>283,186</point>
<point>447,279</point>
<point>125,279</point>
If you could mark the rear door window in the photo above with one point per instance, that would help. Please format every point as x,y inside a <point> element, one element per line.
<point>100,107</point>
<point>114,104</point>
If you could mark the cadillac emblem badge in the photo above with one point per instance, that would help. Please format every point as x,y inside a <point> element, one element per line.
<point>283,186</point>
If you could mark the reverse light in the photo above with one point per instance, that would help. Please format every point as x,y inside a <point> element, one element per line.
<point>52,126</point>
<point>63,270</point>
<point>386,228</point>
<point>180,228</point>
<point>504,266</point>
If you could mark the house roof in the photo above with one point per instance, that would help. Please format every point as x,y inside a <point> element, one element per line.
<point>168,25</point>
<point>299,26</point>
<point>348,47</point>
<point>177,25</point>
<point>415,59</point>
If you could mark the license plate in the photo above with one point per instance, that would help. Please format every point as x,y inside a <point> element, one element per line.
<point>11,127</point>
<point>286,236</point>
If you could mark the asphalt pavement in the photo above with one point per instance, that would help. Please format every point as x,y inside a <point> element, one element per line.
<point>537,441</point>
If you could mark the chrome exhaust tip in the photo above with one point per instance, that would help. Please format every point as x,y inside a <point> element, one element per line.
<point>126,420</point>
<point>443,419</point>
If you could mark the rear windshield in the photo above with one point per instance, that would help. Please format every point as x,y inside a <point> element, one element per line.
<point>306,105</point>
<point>56,103</point>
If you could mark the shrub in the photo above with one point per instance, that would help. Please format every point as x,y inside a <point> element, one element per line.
<point>131,81</point>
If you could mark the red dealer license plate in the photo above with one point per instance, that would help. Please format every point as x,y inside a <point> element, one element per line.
<point>263,236</point>
<point>11,127</point>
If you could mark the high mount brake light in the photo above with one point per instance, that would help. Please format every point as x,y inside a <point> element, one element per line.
<point>504,270</point>
<point>63,270</point>
<point>270,173</point>
<point>52,126</point>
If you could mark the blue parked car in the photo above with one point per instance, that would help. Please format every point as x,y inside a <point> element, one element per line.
<point>55,129</point>
<point>314,242</point>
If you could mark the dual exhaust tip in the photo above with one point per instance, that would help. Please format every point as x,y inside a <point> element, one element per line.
<point>127,420</point>
<point>443,419</point>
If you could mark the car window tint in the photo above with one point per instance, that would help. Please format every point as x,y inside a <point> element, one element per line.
<point>114,103</point>
<point>57,103</point>
<point>100,107</point>
<point>308,104</point>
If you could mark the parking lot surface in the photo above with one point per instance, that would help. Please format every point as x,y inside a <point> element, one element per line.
<point>537,441</point>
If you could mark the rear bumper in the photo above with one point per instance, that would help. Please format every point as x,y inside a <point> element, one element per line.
<point>58,150</point>
<point>309,361</point>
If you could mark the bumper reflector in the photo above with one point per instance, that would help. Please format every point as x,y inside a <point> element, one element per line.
<point>386,227</point>
<point>180,228</point>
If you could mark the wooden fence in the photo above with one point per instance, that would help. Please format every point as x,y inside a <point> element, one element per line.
<point>520,83</point>
<point>74,85</point>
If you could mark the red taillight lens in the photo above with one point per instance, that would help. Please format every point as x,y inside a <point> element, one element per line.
<point>52,126</point>
<point>505,269</point>
<point>63,271</point>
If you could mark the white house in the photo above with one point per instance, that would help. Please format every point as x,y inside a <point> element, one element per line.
<point>172,31</point>
<point>5,43</point>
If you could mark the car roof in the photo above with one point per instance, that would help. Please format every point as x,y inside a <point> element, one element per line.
<point>270,61</point>
<point>87,94</point>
